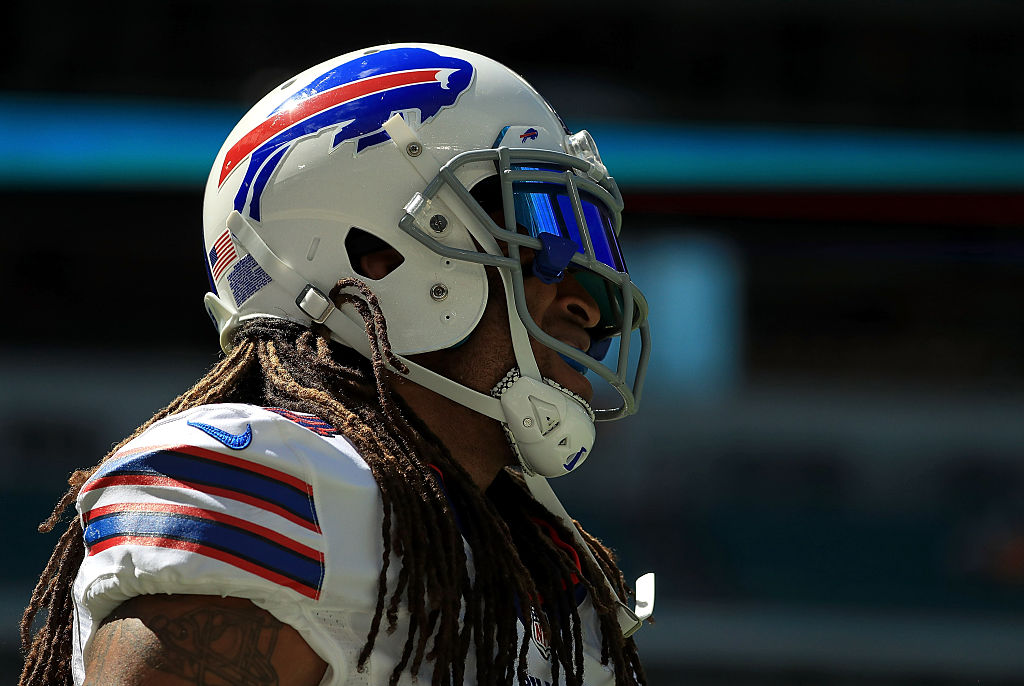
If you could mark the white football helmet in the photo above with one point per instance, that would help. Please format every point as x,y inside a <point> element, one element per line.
<point>389,141</point>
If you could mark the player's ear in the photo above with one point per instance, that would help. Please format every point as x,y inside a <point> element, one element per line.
<point>379,263</point>
<point>370,256</point>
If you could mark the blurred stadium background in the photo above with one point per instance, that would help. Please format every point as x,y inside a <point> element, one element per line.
<point>825,201</point>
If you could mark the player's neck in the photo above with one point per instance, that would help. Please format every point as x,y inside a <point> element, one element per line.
<point>475,441</point>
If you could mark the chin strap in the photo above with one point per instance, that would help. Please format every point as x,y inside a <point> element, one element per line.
<point>630,621</point>
<point>315,304</point>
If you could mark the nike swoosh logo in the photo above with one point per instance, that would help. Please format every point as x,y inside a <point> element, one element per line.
<point>234,441</point>
<point>571,464</point>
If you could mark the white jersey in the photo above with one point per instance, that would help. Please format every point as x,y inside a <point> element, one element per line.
<point>264,504</point>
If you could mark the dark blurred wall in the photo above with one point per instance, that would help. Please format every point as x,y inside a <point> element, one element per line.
<point>951,64</point>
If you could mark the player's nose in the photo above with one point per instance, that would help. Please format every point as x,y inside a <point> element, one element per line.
<point>576,301</point>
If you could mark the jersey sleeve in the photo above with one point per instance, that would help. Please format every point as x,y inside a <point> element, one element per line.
<point>227,500</point>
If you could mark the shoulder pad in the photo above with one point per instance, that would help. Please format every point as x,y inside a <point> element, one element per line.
<point>210,484</point>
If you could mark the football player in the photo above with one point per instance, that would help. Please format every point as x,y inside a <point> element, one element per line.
<point>413,263</point>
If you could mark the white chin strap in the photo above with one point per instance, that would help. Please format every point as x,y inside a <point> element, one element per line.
<point>629,620</point>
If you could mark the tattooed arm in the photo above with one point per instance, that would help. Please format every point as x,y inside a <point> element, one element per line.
<point>177,640</point>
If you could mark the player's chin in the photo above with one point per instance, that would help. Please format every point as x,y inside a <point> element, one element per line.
<point>571,379</point>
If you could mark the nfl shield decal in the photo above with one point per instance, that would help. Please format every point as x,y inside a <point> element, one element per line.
<point>539,636</point>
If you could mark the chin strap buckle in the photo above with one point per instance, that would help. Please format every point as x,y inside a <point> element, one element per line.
<point>314,303</point>
<point>632,620</point>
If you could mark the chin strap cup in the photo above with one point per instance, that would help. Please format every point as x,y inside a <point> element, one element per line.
<point>551,429</point>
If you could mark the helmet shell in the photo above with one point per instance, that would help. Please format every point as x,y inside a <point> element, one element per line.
<point>310,162</point>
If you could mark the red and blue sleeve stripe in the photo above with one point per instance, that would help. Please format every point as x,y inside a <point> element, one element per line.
<point>216,474</point>
<point>308,421</point>
<point>238,542</point>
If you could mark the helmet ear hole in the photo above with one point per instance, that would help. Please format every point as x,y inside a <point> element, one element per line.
<point>488,193</point>
<point>370,256</point>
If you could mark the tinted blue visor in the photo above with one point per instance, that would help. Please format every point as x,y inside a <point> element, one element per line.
<point>543,207</point>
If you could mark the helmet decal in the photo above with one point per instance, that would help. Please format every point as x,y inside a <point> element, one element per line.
<point>358,97</point>
<point>222,255</point>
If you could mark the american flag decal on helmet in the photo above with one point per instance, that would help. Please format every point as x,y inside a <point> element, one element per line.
<point>358,97</point>
<point>222,254</point>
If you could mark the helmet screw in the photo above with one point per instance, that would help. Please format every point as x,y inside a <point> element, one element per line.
<point>414,149</point>
<point>528,422</point>
<point>439,223</point>
<point>438,291</point>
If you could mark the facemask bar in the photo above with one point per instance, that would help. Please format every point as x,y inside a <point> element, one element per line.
<point>592,180</point>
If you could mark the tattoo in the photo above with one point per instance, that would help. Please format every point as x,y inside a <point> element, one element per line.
<point>108,638</point>
<point>216,646</point>
<point>96,658</point>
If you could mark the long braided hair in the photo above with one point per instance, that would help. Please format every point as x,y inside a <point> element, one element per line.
<point>516,561</point>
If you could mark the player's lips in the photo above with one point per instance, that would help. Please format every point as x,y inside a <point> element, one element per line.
<point>581,343</point>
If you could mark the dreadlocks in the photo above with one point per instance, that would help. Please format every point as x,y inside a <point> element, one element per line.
<point>517,556</point>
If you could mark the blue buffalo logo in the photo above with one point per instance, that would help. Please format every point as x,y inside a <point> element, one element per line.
<point>529,135</point>
<point>359,96</point>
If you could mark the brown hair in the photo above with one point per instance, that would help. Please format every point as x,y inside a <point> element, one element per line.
<point>516,562</point>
